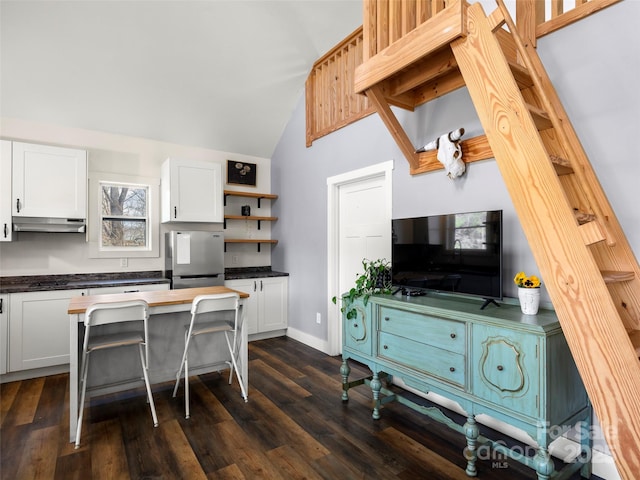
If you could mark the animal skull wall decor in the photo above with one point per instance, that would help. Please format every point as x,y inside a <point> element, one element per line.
<point>449,152</point>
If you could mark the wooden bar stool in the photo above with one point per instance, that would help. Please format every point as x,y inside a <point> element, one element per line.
<point>203,304</point>
<point>114,313</point>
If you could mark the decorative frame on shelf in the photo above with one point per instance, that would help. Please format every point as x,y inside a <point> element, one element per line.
<point>241,173</point>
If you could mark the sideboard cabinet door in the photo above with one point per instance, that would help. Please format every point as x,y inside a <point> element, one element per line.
<point>507,366</point>
<point>357,333</point>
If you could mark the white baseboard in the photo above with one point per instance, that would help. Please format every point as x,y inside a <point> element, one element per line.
<point>265,335</point>
<point>34,373</point>
<point>309,340</point>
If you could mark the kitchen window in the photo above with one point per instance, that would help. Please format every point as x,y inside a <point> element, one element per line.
<point>123,218</point>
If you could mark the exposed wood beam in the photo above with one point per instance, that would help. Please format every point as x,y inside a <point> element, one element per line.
<point>424,71</point>
<point>473,150</point>
<point>376,96</point>
<point>438,87</point>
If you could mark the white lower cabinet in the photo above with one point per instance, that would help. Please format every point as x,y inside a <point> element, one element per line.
<point>36,325</point>
<point>39,328</point>
<point>4,329</point>
<point>273,302</point>
<point>266,309</point>
<point>250,305</point>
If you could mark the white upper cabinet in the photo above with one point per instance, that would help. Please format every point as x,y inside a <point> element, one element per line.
<point>5,191</point>
<point>49,181</point>
<point>191,191</point>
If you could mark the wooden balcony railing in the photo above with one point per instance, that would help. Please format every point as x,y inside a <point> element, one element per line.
<point>331,102</point>
<point>330,99</point>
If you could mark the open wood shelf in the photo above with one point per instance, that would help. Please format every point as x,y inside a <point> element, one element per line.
<point>233,193</point>
<point>249,217</point>
<point>259,196</point>
<point>248,240</point>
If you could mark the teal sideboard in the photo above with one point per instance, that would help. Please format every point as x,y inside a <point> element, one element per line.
<point>513,367</point>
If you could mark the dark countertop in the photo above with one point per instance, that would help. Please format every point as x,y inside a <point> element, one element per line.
<point>251,272</point>
<point>43,283</point>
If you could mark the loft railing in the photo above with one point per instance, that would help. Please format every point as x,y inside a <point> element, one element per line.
<point>386,21</point>
<point>556,14</point>
<point>331,102</point>
<point>330,99</point>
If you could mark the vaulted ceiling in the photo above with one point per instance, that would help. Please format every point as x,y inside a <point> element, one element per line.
<point>218,74</point>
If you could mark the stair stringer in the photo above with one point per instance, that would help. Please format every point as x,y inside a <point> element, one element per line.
<point>596,334</point>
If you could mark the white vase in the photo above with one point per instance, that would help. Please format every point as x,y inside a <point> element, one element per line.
<point>529,300</point>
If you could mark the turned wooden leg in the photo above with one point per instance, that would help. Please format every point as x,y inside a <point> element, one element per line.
<point>471,431</point>
<point>544,464</point>
<point>376,385</point>
<point>345,370</point>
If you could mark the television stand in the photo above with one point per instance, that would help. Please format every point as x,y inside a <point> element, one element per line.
<point>514,368</point>
<point>489,301</point>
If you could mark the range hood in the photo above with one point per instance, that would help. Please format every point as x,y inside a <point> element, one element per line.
<point>46,224</point>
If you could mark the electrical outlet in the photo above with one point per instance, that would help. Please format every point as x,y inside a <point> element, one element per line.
<point>234,260</point>
<point>124,262</point>
<point>318,318</point>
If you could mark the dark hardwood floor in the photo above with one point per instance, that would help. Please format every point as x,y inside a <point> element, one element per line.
<point>294,427</point>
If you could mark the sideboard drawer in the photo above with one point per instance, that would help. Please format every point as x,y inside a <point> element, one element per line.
<point>439,332</point>
<point>427,359</point>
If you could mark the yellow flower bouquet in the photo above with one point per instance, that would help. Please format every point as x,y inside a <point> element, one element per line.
<point>522,281</point>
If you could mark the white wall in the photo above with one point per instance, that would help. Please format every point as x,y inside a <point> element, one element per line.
<point>61,253</point>
<point>593,64</point>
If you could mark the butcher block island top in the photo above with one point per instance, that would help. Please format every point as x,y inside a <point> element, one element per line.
<point>158,298</point>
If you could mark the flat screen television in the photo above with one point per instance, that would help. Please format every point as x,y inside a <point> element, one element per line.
<point>459,253</point>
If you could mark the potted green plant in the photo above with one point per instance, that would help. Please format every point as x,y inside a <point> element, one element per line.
<point>376,279</point>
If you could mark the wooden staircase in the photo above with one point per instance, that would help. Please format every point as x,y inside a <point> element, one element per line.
<point>585,260</point>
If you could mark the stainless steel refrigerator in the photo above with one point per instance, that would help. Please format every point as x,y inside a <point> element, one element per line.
<point>194,258</point>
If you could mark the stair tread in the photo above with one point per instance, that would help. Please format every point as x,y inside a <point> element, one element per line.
<point>592,232</point>
<point>613,276</point>
<point>562,165</point>
<point>522,75</point>
<point>540,117</point>
<point>583,217</point>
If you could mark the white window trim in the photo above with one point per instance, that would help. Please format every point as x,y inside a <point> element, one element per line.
<point>94,221</point>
